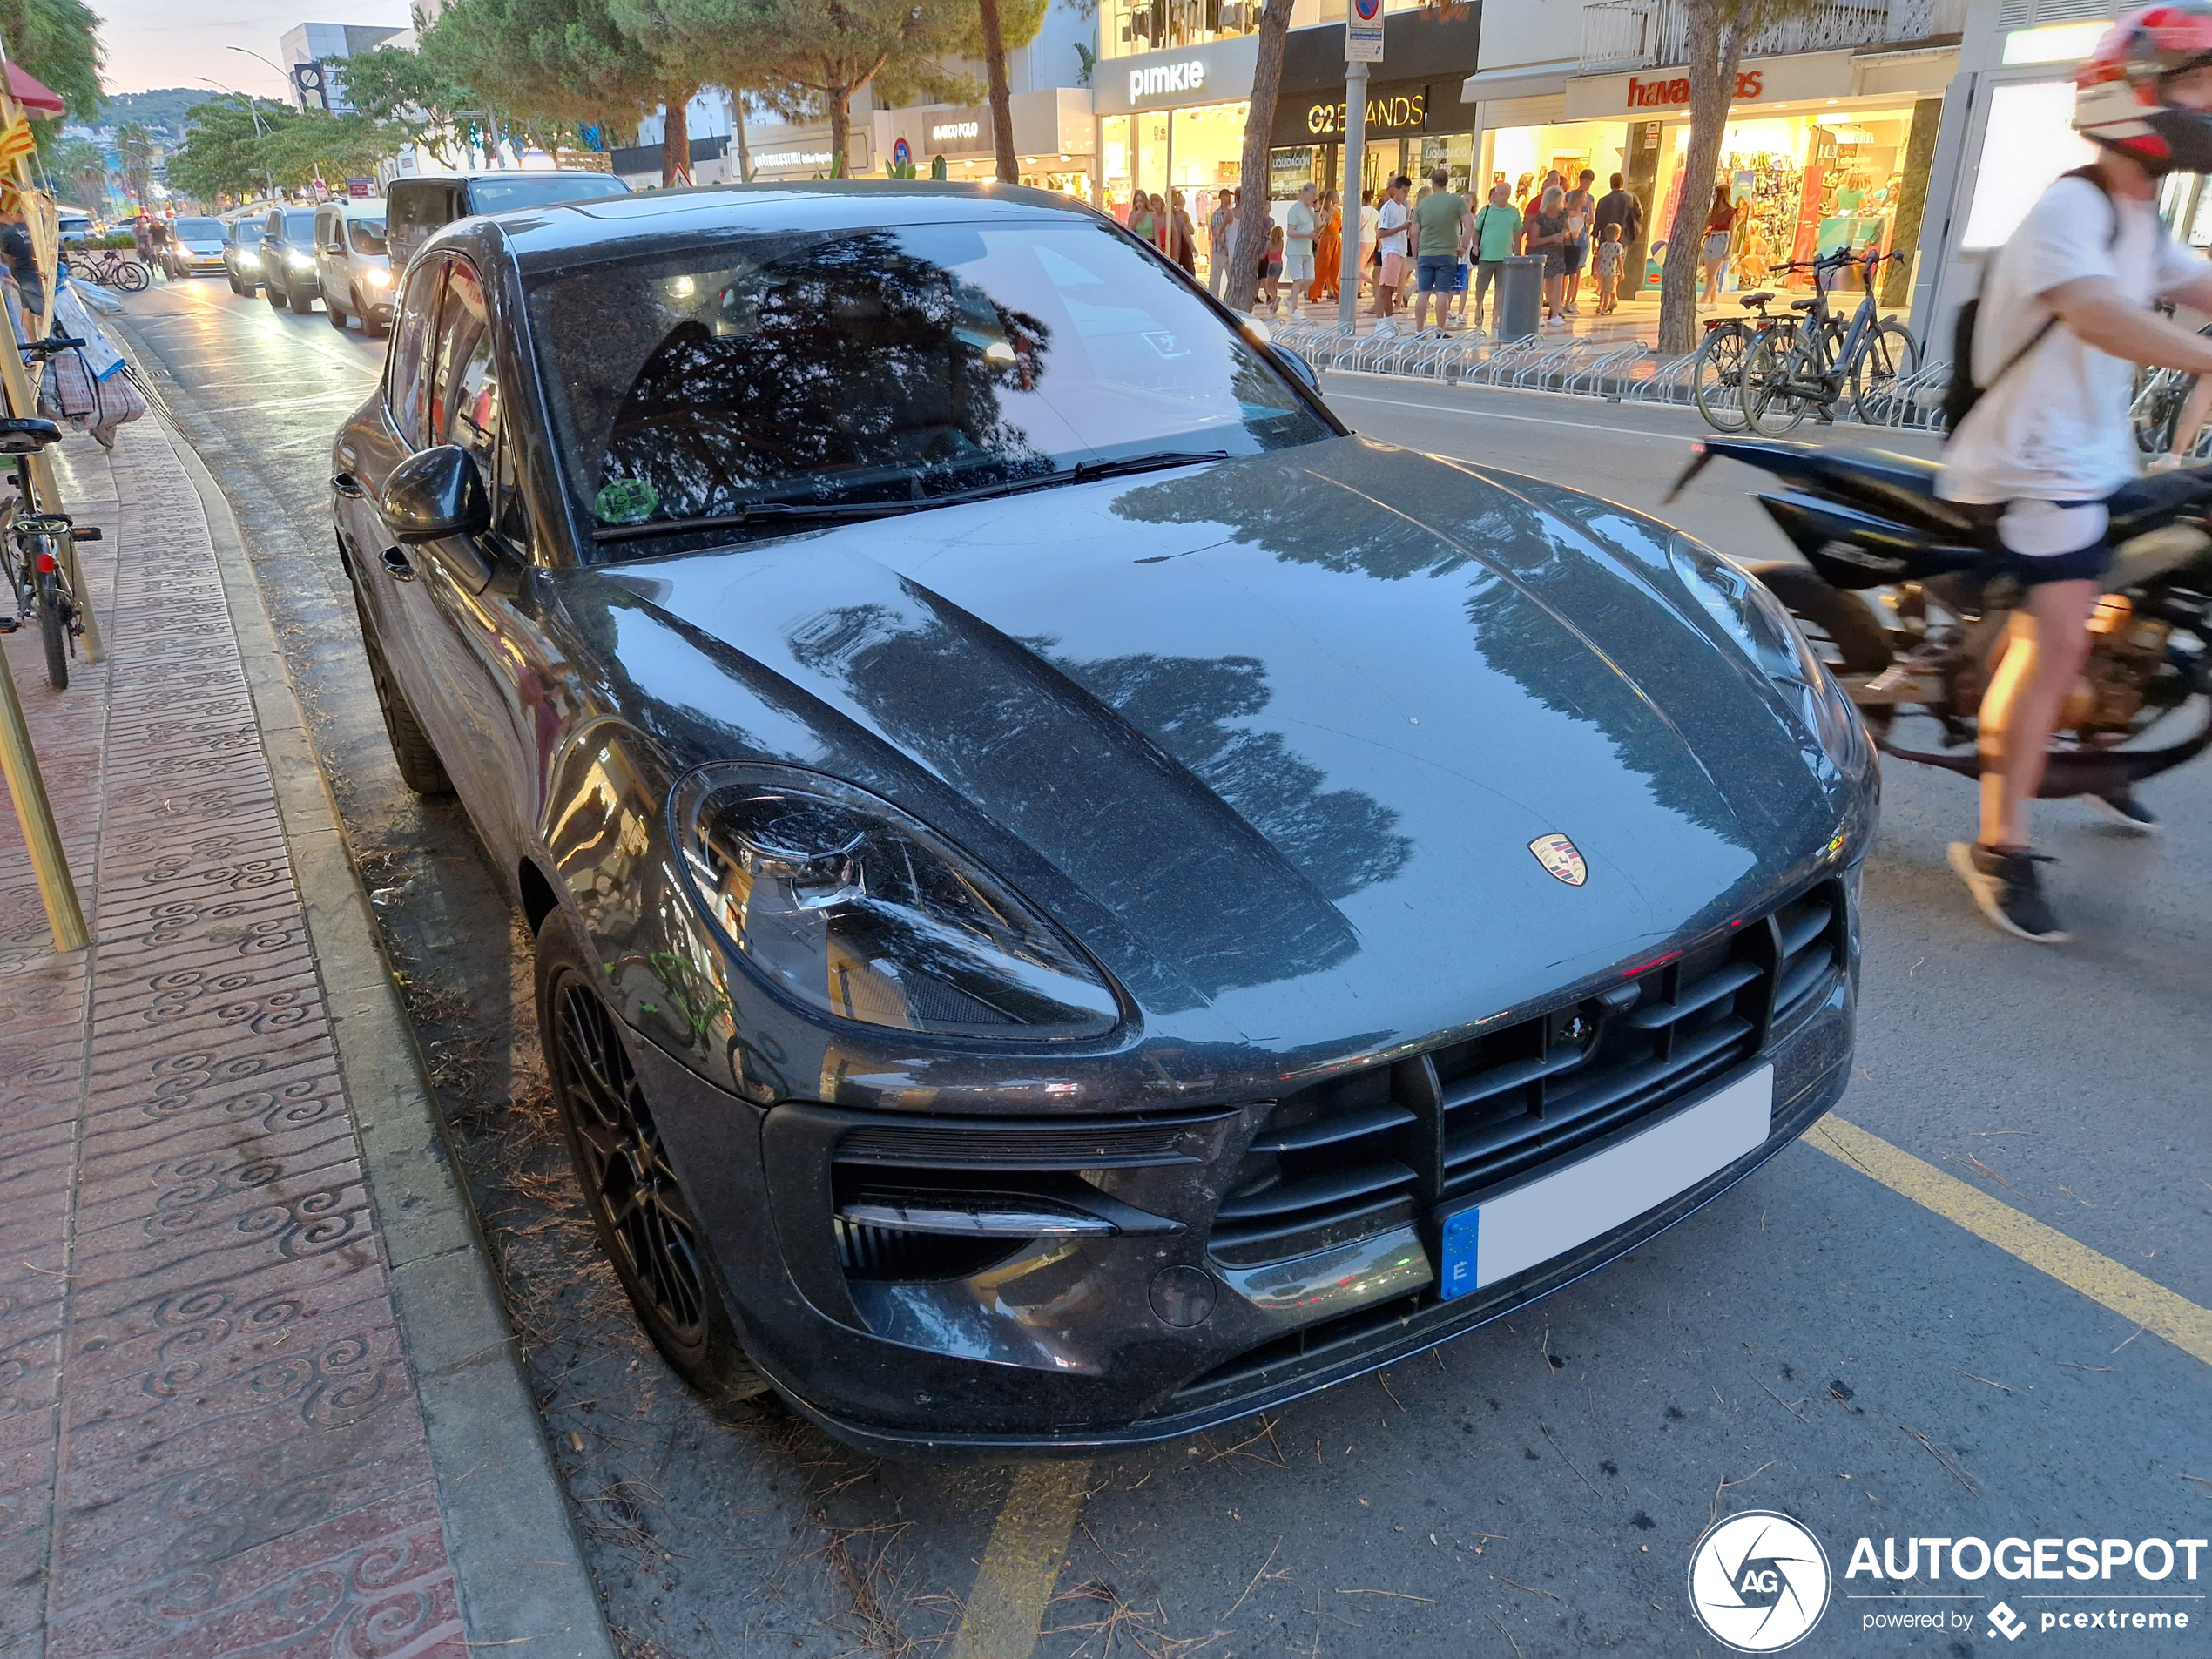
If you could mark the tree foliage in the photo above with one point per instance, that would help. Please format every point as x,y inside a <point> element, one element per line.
<point>58,42</point>
<point>224,153</point>
<point>419,92</point>
<point>135,146</point>
<point>78,171</point>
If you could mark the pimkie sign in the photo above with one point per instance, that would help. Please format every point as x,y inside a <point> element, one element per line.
<point>1675,94</point>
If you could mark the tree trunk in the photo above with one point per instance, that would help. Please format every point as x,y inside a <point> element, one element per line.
<point>1717,31</point>
<point>675,138</point>
<point>839,100</point>
<point>744,150</point>
<point>1252,182</point>
<point>1001,98</point>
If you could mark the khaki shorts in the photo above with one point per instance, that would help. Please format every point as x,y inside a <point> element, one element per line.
<point>1396,271</point>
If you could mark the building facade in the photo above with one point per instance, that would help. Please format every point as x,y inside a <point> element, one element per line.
<point>312,54</point>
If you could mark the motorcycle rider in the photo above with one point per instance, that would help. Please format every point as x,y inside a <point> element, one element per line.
<point>2066,314</point>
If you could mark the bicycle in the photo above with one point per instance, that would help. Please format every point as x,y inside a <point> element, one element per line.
<point>1716,372</point>
<point>32,553</point>
<point>109,269</point>
<point>1810,375</point>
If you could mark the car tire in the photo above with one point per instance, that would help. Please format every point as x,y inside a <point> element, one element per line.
<point>639,1208</point>
<point>376,324</point>
<point>302,304</point>
<point>270,292</point>
<point>412,751</point>
<point>335,313</point>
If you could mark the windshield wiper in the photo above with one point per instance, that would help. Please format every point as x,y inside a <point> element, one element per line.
<point>1085,471</point>
<point>830,512</point>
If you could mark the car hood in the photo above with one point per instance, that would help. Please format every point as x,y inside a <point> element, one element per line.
<point>1273,736</point>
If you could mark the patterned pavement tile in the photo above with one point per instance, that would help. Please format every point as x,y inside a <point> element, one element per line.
<point>209,1443</point>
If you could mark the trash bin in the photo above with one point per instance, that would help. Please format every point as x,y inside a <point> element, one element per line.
<point>1520,297</point>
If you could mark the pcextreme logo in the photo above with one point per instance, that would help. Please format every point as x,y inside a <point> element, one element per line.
<point>1758,1582</point>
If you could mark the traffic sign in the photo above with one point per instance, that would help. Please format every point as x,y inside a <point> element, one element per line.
<point>1363,32</point>
<point>902,152</point>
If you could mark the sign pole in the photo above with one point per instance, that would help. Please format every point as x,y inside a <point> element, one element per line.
<point>1355,163</point>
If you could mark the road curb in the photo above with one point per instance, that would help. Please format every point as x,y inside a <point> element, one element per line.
<point>523,1583</point>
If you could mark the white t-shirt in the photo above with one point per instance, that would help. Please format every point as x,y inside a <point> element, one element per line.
<point>1391,220</point>
<point>1368,219</point>
<point>1298,225</point>
<point>2055,426</point>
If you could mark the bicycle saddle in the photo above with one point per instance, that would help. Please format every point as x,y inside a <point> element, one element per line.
<point>1758,298</point>
<point>1803,305</point>
<point>27,436</point>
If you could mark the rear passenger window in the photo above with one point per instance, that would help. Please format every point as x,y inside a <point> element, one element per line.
<point>463,328</point>
<point>406,381</point>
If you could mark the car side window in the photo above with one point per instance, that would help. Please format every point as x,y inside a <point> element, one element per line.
<point>463,324</point>
<point>407,381</point>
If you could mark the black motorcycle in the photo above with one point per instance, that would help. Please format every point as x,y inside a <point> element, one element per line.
<point>1870,521</point>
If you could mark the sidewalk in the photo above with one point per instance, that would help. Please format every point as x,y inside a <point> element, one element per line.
<point>246,1338</point>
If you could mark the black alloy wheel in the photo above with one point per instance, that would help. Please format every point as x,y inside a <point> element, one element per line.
<point>639,1208</point>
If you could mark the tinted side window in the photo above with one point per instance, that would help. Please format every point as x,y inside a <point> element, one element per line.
<point>405,380</point>
<point>463,328</point>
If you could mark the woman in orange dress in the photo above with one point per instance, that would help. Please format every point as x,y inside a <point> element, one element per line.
<point>1328,249</point>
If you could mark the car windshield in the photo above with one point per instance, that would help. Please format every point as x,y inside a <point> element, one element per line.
<point>198,230</point>
<point>542,190</point>
<point>299,227</point>
<point>367,235</point>
<point>889,366</point>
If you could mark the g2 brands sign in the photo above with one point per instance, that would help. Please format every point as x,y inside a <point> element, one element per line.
<point>1386,112</point>
<point>1675,94</point>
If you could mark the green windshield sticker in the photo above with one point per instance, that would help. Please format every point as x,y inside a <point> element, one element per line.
<point>626,501</point>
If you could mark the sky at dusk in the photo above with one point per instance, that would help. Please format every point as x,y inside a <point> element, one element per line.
<point>173,42</point>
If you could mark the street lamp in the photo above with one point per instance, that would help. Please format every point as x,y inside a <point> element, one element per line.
<point>282,73</point>
<point>251,110</point>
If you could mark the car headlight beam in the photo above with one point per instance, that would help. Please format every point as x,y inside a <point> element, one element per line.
<point>863,912</point>
<point>1763,628</point>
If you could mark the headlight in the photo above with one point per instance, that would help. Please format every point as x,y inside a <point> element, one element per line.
<point>865,913</point>
<point>249,261</point>
<point>303,261</point>
<point>1759,623</point>
<point>378,277</point>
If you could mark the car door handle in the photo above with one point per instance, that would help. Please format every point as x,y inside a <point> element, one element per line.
<point>395,564</point>
<point>346,484</point>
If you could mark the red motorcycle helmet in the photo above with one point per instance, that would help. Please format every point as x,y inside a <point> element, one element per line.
<point>2120,98</point>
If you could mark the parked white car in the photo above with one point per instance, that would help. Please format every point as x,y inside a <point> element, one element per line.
<point>352,261</point>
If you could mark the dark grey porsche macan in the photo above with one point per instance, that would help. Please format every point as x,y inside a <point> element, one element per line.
<point>1075,899</point>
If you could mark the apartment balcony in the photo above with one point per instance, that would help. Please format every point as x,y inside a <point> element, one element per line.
<point>1647,34</point>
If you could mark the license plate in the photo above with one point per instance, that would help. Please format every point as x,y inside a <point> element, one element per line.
<point>1552,1214</point>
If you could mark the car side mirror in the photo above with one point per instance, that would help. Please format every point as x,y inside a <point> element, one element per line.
<point>1296,363</point>
<point>434,494</point>
<point>333,247</point>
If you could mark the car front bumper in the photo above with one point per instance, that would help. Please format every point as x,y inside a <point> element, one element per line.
<point>1073,1344</point>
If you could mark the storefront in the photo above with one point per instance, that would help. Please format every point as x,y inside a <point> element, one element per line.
<point>1054,139</point>
<point>1823,151</point>
<point>1174,121</point>
<point>794,151</point>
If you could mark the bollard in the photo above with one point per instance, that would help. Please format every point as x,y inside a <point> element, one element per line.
<point>1520,297</point>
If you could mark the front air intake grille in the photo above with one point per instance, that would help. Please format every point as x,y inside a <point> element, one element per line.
<point>1360,1154</point>
<point>872,1252</point>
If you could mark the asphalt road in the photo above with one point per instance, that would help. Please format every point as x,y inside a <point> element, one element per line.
<point>1815,1342</point>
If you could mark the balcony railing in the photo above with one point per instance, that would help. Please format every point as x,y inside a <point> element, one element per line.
<point>1646,34</point>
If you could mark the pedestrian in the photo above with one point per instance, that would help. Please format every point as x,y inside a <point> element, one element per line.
<point>1618,207</point>
<point>1328,252</point>
<point>1582,208</point>
<point>1140,216</point>
<point>1162,226</point>
<point>20,259</point>
<point>1497,238</point>
<point>1218,226</point>
<point>1720,226</point>
<point>2065,318</point>
<point>1392,218</point>
<point>1459,305</point>
<point>1370,255</point>
<point>1547,236</point>
<point>1301,224</point>
<point>1186,237</point>
<point>1268,261</point>
<point>1438,216</point>
<point>1610,256</point>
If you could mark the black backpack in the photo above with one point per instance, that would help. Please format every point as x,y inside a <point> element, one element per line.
<point>1960,394</point>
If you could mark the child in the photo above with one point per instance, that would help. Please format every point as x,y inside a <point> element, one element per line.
<point>1609,256</point>
<point>1753,264</point>
<point>1268,283</point>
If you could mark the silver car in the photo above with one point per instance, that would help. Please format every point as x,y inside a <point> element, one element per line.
<point>352,262</point>
<point>195,248</point>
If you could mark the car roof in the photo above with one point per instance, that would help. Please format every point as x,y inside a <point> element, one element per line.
<point>351,204</point>
<point>649,222</point>
<point>504,172</point>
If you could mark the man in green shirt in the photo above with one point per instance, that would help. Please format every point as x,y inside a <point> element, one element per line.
<point>1436,264</point>
<point>1497,235</point>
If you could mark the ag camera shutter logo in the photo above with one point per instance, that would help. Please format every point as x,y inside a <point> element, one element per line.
<point>1758,1582</point>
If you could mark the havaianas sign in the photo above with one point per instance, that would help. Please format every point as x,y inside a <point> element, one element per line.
<point>1673,94</point>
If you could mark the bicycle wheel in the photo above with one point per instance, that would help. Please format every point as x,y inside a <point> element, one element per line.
<point>1891,355</point>
<point>1770,406</point>
<point>53,631</point>
<point>1717,376</point>
<point>131,277</point>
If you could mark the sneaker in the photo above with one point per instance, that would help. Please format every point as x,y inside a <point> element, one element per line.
<point>2008,890</point>
<point>2123,809</point>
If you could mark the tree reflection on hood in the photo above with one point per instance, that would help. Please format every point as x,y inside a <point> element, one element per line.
<point>853,368</point>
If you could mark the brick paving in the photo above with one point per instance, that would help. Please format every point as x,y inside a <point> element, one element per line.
<point>209,1441</point>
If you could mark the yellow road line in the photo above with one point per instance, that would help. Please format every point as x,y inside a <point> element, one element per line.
<point>2126,1293</point>
<point>1021,1562</point>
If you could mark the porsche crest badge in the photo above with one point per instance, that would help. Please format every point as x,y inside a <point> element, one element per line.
<point>1562,857</point>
